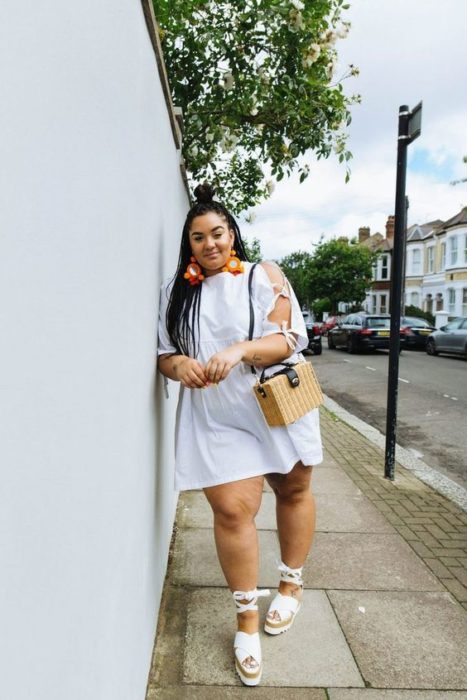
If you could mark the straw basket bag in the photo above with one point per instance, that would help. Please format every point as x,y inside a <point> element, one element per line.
<point>289,393</point>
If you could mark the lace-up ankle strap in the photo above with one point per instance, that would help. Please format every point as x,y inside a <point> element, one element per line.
<point>291,575</point>
<point>251,597</point>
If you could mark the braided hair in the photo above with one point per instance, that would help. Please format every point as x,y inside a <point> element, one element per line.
<point>183,307</point>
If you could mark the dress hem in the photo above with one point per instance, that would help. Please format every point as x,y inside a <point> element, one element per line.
<point>315,462</point>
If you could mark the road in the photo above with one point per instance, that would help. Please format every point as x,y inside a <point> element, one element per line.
<point>432,401</point>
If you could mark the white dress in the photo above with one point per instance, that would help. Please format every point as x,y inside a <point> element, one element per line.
<point>221,434</point>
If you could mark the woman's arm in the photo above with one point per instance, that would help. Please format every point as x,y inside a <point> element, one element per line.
<point>183,369</point>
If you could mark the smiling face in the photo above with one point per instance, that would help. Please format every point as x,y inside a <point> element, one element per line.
<point>211,241</point>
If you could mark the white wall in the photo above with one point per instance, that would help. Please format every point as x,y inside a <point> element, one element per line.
<point>91,209</point>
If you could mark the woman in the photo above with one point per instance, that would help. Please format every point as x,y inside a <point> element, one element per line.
<point>223,444</point>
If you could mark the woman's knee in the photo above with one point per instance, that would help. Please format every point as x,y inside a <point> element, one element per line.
<point>234,512</point>
<point>233,507</point>
<point>293,486</point>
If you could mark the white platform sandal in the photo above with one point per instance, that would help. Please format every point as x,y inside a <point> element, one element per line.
<point>284,608</point>
<point>247,647</point>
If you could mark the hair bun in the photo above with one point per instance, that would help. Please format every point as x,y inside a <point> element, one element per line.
<point>204,193</point>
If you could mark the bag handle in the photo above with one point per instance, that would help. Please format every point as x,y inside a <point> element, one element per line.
<point>292,375</point>
<point>252,311</point>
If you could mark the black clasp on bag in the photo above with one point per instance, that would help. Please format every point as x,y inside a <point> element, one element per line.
<point>292,376</point>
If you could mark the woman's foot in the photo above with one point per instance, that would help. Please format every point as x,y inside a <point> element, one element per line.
<point>286,604</point>
<point>247,647</point>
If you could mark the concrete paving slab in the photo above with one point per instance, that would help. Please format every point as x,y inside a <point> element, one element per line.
<point>349,513</point>
<point>338,560</point>
<point>333,480</point>
<point>335,513</point>
<point>203,692</point>
<point>405,640</point>
<point>315,649</point>
<point>367,561</point>
<point>374,694</point>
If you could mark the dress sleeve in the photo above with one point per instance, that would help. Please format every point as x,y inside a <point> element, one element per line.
<point>164,344</point>
<point>266,295</point>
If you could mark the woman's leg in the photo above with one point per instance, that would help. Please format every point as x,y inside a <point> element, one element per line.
<point>295,510</point>
<point>235,506</point>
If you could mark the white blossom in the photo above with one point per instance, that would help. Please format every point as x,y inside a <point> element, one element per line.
<point>328,38</point>
<point>228,81</point>
<point>250,217</point>
<point>295,19</point>
<point>343,31</point>
<point>354,71</point>
<point>270,186</point>
<point>330,68</point>
<point>297,4</point>
<point>312,55</point>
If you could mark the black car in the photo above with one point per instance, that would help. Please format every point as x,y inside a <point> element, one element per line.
<point>314,337</point>
<point>361,331</point>
<point>415,331</point>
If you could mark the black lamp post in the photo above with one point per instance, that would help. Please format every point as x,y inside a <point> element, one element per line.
<point>409,130</point>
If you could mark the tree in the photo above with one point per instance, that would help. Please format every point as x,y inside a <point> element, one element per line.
<point>295,268</point>
<point>416,311</point>
<point>463,179</point>
<point>340,271</point>
<point>255,80</point>
<point>253,250</point>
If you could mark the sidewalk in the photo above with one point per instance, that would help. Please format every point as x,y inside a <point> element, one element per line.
<point>383,613</point>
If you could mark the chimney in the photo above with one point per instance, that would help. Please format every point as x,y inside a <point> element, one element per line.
<point>363,233</point>
<point>390,228</point>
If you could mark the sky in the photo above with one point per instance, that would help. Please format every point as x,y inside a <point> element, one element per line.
<point>407,51</point>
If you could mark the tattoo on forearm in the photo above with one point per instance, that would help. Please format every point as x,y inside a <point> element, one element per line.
<point>256,358</point>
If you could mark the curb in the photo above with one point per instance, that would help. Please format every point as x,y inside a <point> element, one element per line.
<point>440,483</point>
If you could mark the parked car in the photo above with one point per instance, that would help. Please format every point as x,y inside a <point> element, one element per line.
<point>361,331</point>
<point>415,331</point>
<point>451,338</point>
<point>314,337</point>
<point>329,323</point>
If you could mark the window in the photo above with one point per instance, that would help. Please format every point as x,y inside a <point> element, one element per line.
<point>414,298</point>
<point>453,325</point>
<point>384,268</point>
<point>453,250</point>
<point>382,304</point>
<point>464,301</point>
<point>443,256</point>
<point>373,303</point>
<point>416,262</point>
<point>451,301</point>
<point>431,259</point>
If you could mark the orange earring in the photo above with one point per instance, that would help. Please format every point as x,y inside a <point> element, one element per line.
<point>193,272</point>
<point>234,265</point>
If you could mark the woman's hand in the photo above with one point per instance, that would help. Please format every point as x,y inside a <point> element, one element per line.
<point>220,364</point>
<point>191,374</point>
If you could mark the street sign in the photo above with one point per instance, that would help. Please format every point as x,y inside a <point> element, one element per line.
<point>415,123</point>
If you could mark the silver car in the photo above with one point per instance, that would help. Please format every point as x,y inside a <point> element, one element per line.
<point>450,338</point>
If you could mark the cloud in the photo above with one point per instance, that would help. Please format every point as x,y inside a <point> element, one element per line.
<point>407,52</point>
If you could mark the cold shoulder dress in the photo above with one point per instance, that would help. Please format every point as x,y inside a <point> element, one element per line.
<point>221,434</point>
